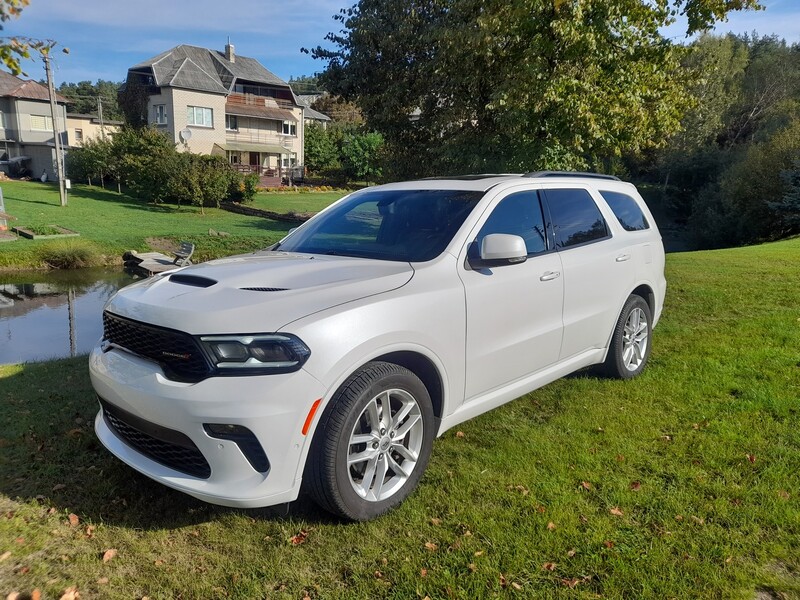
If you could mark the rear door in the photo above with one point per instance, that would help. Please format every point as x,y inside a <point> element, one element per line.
<point>513,311</point>
<point>598,271</point>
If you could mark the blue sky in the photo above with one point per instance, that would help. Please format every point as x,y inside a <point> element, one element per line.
<point>106,37</point>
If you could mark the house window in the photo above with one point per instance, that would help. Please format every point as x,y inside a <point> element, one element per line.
<point>231,123</point>
<point>289,128</point>
<point>161,114</point>
<point>2,120</point>
<point>289,161</point>
<point>199,116</point>
<point>41,123</point>
<point>234,158</point>
<point>78,135</point>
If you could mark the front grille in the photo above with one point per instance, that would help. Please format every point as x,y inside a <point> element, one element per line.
<point>165,446</point>
<point>177,352</point>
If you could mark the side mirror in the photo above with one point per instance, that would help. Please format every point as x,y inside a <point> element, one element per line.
<point>498,249</point>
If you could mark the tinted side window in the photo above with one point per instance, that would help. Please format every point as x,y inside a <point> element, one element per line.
<point>626,210</point>
<point>576,218</point>
<point>518,214</point>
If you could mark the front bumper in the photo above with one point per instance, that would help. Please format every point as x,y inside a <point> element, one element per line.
<point>273,407</point>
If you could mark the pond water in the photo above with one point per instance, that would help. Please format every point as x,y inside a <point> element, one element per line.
<point>45,315</point>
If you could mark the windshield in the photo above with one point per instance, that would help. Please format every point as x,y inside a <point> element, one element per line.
<point>401,225</point>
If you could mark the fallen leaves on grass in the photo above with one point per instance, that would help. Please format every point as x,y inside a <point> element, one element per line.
<point>4,556</point>
<point>423,572</point>
<point>73,520</point>
<point>570,583</point>
<point>520,488</point>
<point>586,485</point>
<point>59,486</point>
<point>608,544</point>
<point>34,595</point>
<point>109,554</point>
<point>472,567</point>
<point>616,511</point>
<point>549,566</point>
<point>751,457</point>
<point>636,486</point>
<point>784,494</point>
<point>551,526</point>
<point>71,593</point>
<point>102,581</point>
<point>503,581</point>
<point>436,522</point>
<point>698,520</point>
<point>431,546</point>
<point>298,538</point>
<point>460,434</point>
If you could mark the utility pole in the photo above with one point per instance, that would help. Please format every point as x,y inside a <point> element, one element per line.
<point>100,116</point>
<point>62,192</point>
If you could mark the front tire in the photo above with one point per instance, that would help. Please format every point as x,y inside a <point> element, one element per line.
<point>631,340</point>
<point>372,443</point>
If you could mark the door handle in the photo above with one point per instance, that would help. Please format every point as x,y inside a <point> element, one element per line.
<point>623,257</point>
<point>550,275</point>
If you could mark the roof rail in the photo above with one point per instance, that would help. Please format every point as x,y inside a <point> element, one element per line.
<point>536,174</point>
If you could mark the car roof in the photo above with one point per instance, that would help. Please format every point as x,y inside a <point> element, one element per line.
<point>485,181</point>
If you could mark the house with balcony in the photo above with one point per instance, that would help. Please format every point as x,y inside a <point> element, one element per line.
<point>27,144</point>
<point>212,102</point>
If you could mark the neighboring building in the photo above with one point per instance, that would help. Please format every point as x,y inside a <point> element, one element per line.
<point>314,116</point>
<point>26,127</point>
<point>89,127</point>
<point>212,102</point>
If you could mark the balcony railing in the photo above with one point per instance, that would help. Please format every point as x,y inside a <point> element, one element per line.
<point>253,100</point>
<point>256,136</point>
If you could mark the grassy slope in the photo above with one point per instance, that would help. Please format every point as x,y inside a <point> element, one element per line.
<point>116,222</point>
<point>700,455</point>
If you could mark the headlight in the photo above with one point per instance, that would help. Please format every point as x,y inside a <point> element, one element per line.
<point>256,353</point>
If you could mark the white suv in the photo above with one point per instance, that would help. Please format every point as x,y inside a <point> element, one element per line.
<point>335,357</point>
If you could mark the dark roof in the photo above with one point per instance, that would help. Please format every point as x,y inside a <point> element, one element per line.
<point>93,118</point>
<point>205,70</point>
<point>315,115</point>
<point>29,90</point>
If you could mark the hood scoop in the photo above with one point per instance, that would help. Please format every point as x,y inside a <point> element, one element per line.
<point>264,289</point>
<point>193,280</point>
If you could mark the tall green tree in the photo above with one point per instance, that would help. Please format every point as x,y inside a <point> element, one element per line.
<point>84,95</point>
<point>514,84</point>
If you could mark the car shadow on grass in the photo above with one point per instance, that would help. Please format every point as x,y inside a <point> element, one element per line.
<point>50,455</point>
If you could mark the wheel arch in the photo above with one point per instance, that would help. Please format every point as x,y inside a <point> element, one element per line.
<point>647,294</point>
<point>422,367</point>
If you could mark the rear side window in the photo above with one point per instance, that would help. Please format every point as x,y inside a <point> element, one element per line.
<point>576,218</point>
<point>518,214</point>
<point>627,211</point>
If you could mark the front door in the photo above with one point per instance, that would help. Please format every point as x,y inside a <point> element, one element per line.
<point>514,321</point>
<point>255,162</point>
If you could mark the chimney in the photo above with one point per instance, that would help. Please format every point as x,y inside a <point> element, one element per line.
<point>230,51</point>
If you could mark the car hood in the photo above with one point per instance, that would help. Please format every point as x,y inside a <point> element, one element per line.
<point>255,293</point>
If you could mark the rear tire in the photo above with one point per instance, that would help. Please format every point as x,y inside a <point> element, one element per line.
<point>372,443</point>
<point>631,340</point>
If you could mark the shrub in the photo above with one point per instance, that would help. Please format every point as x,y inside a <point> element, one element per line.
<point>68,254</point>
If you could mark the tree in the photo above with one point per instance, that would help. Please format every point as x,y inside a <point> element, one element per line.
<point>84,95</point>
<point>361,156</point>
<point>517,84</point>
<point>320,151</point>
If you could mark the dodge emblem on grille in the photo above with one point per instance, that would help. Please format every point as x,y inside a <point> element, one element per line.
<point>176,355</point>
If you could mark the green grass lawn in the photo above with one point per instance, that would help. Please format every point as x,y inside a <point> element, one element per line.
<point>288,202</point>
<point>112,223</point>
<point>683,483</point>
